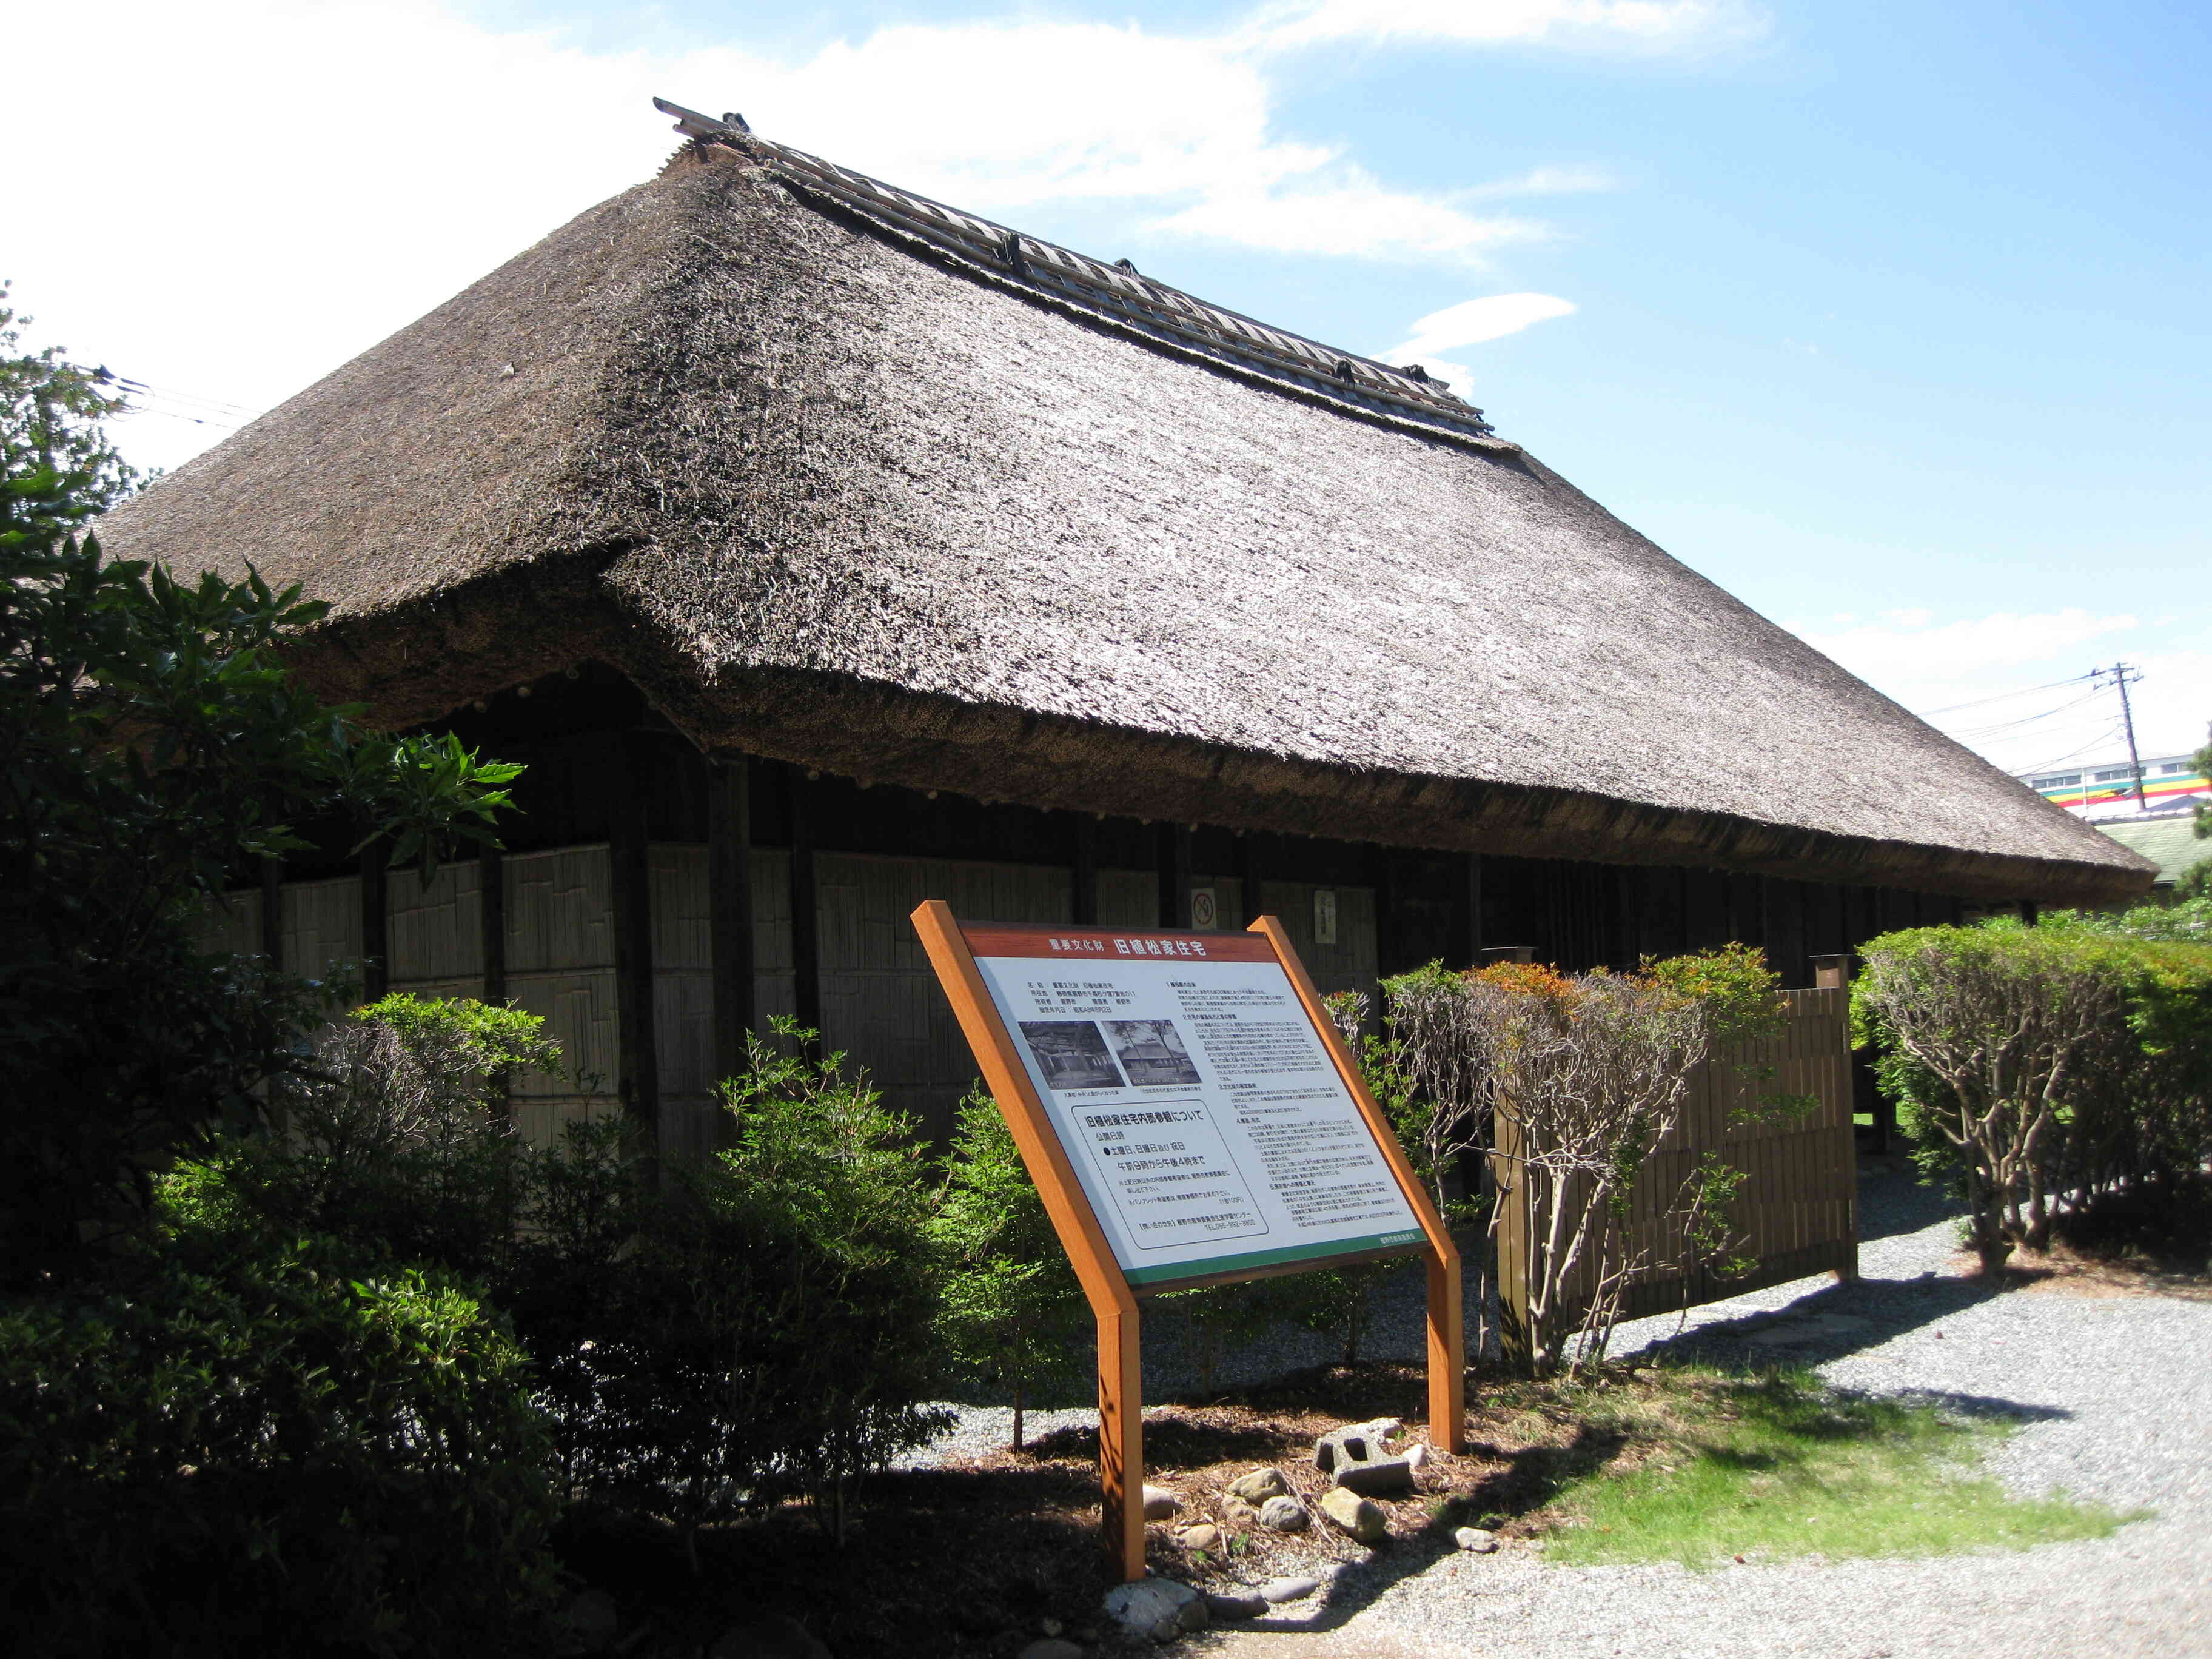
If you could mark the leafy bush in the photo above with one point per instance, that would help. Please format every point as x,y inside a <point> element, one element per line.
<point>257,1450</point>
<point>391,1140</point>
<point>1013,1315</point>
<point>761,1332</point>
<point>2042,1065</point>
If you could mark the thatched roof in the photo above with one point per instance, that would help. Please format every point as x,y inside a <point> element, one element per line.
<point>840,478</point>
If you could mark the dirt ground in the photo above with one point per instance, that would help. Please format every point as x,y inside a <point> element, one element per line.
<point>984,1557</point>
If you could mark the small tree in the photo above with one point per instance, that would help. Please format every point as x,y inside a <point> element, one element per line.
<point>1013,1314</point>
<point>1992,1037</point>
<point>763,1332</point>
<point>1585,1076</point>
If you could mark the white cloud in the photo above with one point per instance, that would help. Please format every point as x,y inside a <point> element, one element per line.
<point>1346,211</point>
<point>1541,181</point>
<point>1910,648</point>
<point>1645,26</point>
<point>1471,322</point>
<point>2014,687</point>
<point>290,183</point>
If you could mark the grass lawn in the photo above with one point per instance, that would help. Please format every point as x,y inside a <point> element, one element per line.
<point>1708,1468</point>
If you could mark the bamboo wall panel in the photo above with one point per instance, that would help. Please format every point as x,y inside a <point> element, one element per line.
<point>434,932</point>
<point>1127,898</point>
<point>881,1003</point>
<point>322,925</point>
<point>579,1009</point>
<point>541,1120</point>
<point>560,967</point>
<point>1350,963</point>
<point>774,992</point>
<point>232,923</point>
<point>560,911</point>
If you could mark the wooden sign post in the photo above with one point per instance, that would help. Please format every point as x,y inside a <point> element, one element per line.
<point>1190,1116</point>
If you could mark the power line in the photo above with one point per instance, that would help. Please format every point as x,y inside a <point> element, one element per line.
<point>108,376</point>
<point>1930,714</point>
<point>2024,719</point>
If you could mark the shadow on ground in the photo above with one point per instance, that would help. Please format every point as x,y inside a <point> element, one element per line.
<point>1893,1200</point>
<point>1831,1323</point>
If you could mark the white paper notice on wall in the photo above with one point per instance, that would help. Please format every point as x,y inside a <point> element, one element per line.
<point>1325,916</point>
<point>1201,1111</point>
<point>1205,909</point>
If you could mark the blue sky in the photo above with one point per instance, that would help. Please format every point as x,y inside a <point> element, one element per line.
<point>1890,318</point>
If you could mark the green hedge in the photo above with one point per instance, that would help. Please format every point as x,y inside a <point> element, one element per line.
<point>259,1451</point>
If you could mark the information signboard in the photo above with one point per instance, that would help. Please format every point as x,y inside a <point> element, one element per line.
<point>1201,1110</point>
<point>1190,1115</point>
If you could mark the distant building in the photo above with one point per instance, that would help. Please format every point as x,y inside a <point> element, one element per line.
<point>2107,788</point>
<point>2167,838</point>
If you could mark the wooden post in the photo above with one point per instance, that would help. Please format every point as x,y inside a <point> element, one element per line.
<point>1175,875</point>
<point>637,1060</point>
<point>1083,874</point>
<point>1121,1440</point>
<point>805,937</point>
<point>730,909</point>
<point>272,912</point>
<point>1249,877</point>
<point>1833,973</point>
<point>1463,938</point>
<point>375,943</point>
<point>1510,1181</point>
<point>1447,1344</point>
<point>1120,1393</point>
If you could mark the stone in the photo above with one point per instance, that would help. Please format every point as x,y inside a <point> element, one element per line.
<point>1203,1536</point>
<point>1160,1503</point>
<point>1357,1516</point>
<point>1233,1605</point>
<point>1050,1627</point>
<point>1155,1609</point>
<point>1381,1477</point>
<point>1258,1486</point>
<point>1420,1457</point>
<point>1283,1514</point>
<point>1478,1539</point>
<point>1361,1442</point>
<point>779,1637</point>
<point>1288,1589</point>
<point>593,1620</point>
<point>1051,1648</point>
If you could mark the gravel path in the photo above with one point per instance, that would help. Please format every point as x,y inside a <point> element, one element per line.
<point>2115,1397</point>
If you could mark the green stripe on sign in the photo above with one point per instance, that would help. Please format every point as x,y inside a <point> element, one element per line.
<point>1229,1264</point>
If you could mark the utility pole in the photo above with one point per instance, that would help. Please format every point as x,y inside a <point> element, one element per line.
<point>2124,675</point>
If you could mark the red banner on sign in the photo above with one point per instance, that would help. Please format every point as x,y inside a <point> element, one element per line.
<point>1144,944</point>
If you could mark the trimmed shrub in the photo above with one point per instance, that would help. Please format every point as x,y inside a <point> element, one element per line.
<point>2040,1067</point>
<point>389,1140</point>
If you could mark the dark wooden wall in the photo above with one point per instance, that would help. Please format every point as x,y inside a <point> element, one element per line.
<point>605,768</point>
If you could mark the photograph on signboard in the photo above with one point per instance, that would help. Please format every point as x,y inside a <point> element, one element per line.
<point>1070,1054</point>
<point>1152,1052</point>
